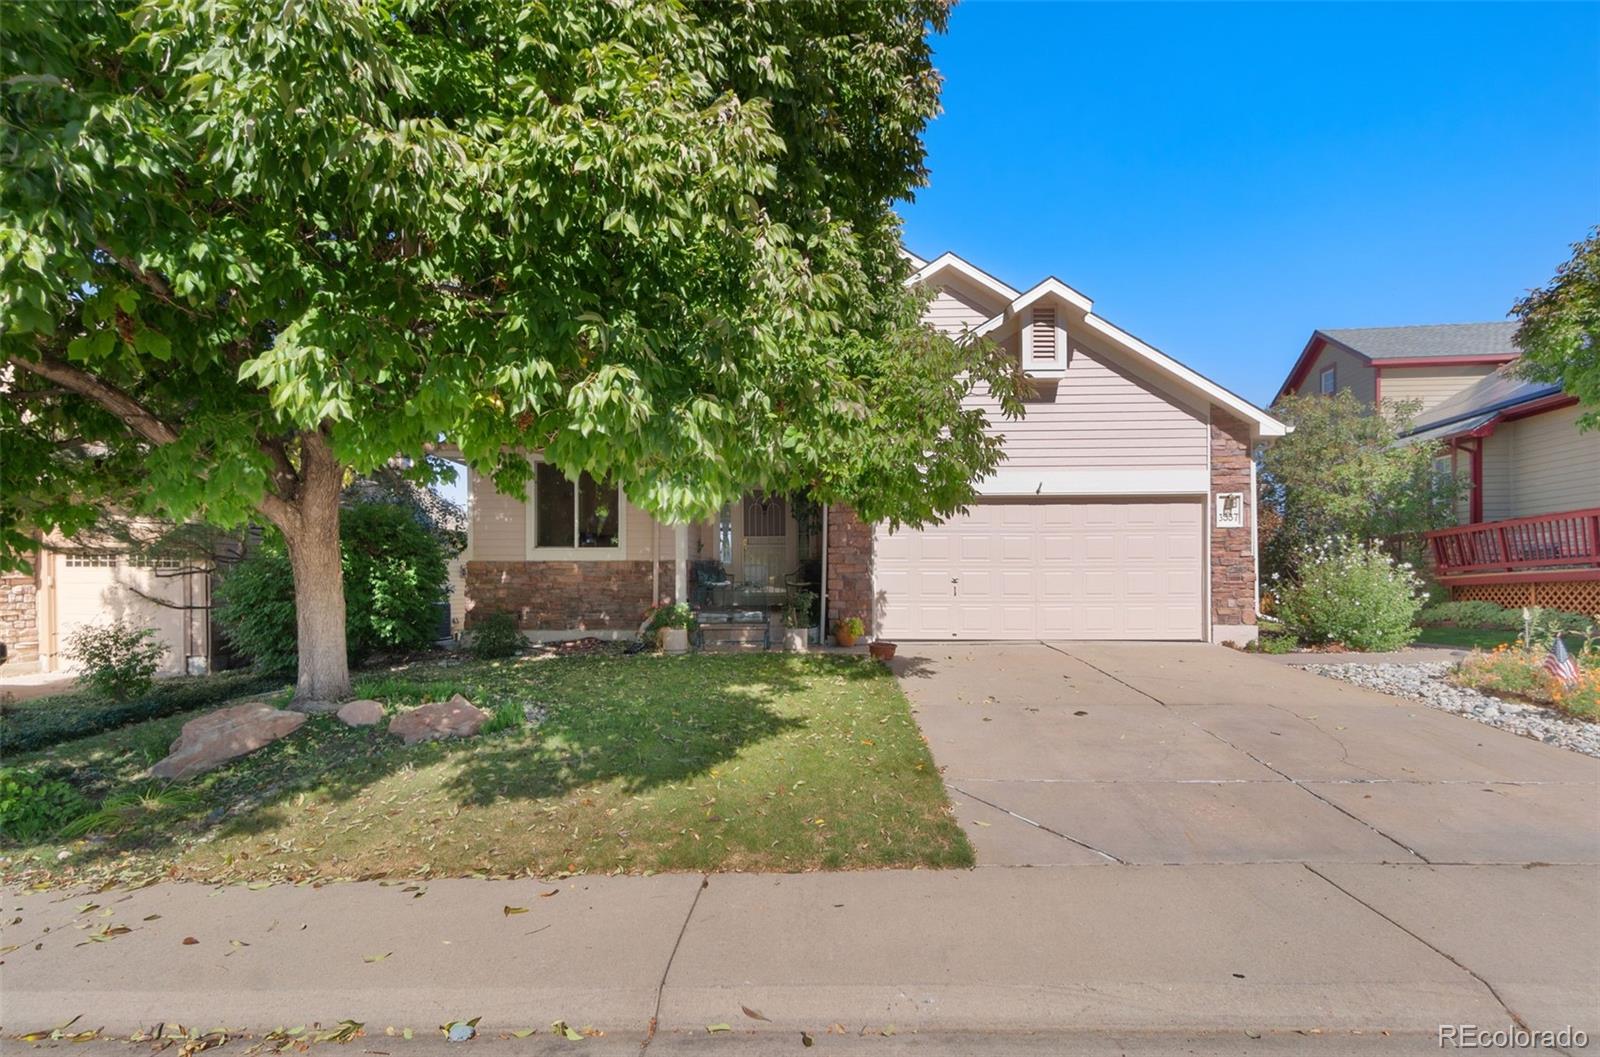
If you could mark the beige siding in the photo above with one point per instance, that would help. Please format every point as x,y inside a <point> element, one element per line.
<point>1429,386</point>
<point>1350,373</point>
<point>499,527</point>
<point>959,307</point>
<point>1100,415</point>
<point>1498,498</point>
<point>1553,466</point>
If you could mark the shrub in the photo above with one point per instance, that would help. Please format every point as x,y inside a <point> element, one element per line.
<point>800,610</point>
<point>119,661</point>
<point>46,721</point>
<point>1351,594</point>
<point>33,808</point>
<point>126,809</point>
<point>1470,615</point>
<point>394,573</point>
<point>495,636</point>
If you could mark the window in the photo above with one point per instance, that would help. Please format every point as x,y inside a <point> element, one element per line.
<point>765,515</point>
<point>1443,469</point>
<point>1328,380</point>
<point>91,560</point>
<point>583,515</point>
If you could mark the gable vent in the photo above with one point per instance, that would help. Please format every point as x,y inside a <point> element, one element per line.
<point>1044,335</point>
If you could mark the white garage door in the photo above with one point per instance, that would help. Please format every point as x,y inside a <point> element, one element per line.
<point>98,588</point>
<point>1044,569</point>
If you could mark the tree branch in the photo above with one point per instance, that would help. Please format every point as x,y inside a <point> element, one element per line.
<point>133,414</point>
<point>152,281</point>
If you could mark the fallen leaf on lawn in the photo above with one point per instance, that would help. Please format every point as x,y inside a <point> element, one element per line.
<point>345,1032</point>
<point>714,1028</point>
<point>755,1014</point>
<point>377,957</point>
<point>805,1040</point>
<point>508,911</point>
<point>189,941</point>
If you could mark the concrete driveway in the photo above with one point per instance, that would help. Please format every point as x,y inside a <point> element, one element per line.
<point>1098,759</point>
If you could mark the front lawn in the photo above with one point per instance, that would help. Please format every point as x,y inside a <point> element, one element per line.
<point>1466,638</point>
<point>706,762</point>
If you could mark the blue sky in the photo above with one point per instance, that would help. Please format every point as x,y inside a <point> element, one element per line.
<point>1223,179</point>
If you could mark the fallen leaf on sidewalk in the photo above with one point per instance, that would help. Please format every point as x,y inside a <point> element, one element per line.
<point>189,941</point>
<point>714,1028</point>
<point>552,892</point>
<point>39,1036</point>
<point>755,1014</point>
<point>805,1040</point>
<point>152,917</point>
<point>376,957</point>
<point>508,911</point>
<point>345,1032</point>
<point>566,1031</point>
<point>460,1030</point>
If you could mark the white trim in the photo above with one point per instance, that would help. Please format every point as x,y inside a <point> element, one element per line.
<point>950,262</point>
<point>530,529</point>
<point>1051,287</point>
<point>1195,480</point>
<point>917,263</point>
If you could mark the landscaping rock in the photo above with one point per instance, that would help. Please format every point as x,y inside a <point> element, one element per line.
<point>455,718</point>
<point>361,713</point>
<point>217,737</point>
<point>1427,683</point>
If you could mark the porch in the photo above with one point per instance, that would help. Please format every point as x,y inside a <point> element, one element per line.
<point>1550,560</point>
<point>760,556</point>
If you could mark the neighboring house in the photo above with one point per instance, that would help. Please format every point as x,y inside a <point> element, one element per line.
<point>1125,509</point>
<point>1530,519</point>
<point>71,587</point>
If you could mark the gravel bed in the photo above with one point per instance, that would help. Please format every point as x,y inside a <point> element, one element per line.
<point>1426,683</point>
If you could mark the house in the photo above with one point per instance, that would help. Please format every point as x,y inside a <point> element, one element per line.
<point>1529,531</point>
<point>1125,509</point>
<point>95,583</point>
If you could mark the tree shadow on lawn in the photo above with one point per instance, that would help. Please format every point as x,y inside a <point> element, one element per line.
<point>608,720</point>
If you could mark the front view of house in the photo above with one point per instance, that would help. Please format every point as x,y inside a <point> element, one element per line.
<point>1125,509</point>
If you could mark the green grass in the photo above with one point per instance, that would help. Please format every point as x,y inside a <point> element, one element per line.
<point>44,721</point>
<point>642,764</point>
<point>1465,638</point>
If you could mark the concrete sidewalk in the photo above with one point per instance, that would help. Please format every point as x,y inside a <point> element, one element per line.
<point>1080,951</point>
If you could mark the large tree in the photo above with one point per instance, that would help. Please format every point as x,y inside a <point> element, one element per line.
<point>1559,333</point>
<point>248,250</point>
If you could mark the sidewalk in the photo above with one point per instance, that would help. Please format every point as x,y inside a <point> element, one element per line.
<point>1082,952</point>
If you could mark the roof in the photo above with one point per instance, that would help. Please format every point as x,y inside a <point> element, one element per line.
<point>1261,423</point>
<point>1428,341</point>
<point>1423,345</point>
<point>1480,404</point>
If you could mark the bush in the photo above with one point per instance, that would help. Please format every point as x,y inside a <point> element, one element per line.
<point>676,615</point>
<point>119,661</point>
<point>46,721</point>
<point>394,573</point>
<point>495,636</point>
<point>1470,615</point>
<point>33,808</point>
<point>1353,595</point>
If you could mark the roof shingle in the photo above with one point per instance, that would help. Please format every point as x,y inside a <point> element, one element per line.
<point>1429,340</point>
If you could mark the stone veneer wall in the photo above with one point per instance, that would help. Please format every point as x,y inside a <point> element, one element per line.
<point>560,596</point>
<point>1233,568</point>
<point>849,568</point>
<point>19,618</point>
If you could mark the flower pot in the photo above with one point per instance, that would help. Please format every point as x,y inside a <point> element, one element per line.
<point>796,640</point>
<point>843,637</point>
<point>673,640</point>
<point>881,651</point>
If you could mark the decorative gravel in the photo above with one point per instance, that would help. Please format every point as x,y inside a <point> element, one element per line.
<point>1426,683</point>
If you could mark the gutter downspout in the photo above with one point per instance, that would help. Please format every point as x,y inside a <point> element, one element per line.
<point>822,588</point>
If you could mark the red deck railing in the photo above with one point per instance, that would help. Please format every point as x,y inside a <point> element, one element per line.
<point>1549,541</point>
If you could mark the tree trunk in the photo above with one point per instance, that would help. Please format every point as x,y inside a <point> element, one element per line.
<point>311,534</point>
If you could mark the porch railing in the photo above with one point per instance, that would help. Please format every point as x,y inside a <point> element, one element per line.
<point>1548,541</point>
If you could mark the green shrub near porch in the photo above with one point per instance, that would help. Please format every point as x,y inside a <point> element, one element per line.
<point>1353,595</point>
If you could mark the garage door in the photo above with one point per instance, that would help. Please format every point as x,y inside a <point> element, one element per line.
<point>1044,569</point>
<point>98,588</point>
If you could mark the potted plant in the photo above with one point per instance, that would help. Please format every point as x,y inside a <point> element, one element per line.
<point>797,621</point>
<point>670,625</point>
<point>848,630</point>
<point>881,650</point>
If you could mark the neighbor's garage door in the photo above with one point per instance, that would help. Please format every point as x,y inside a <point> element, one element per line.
<point>98,588</point>
<point>1042,569</point>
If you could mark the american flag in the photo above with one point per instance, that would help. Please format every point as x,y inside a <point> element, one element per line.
<point>1558,662</point>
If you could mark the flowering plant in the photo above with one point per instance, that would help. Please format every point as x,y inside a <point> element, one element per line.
<point>1353,594</point>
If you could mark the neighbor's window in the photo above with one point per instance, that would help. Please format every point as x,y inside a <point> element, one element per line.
<point>584,513</point>
<point>1329,380</point>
